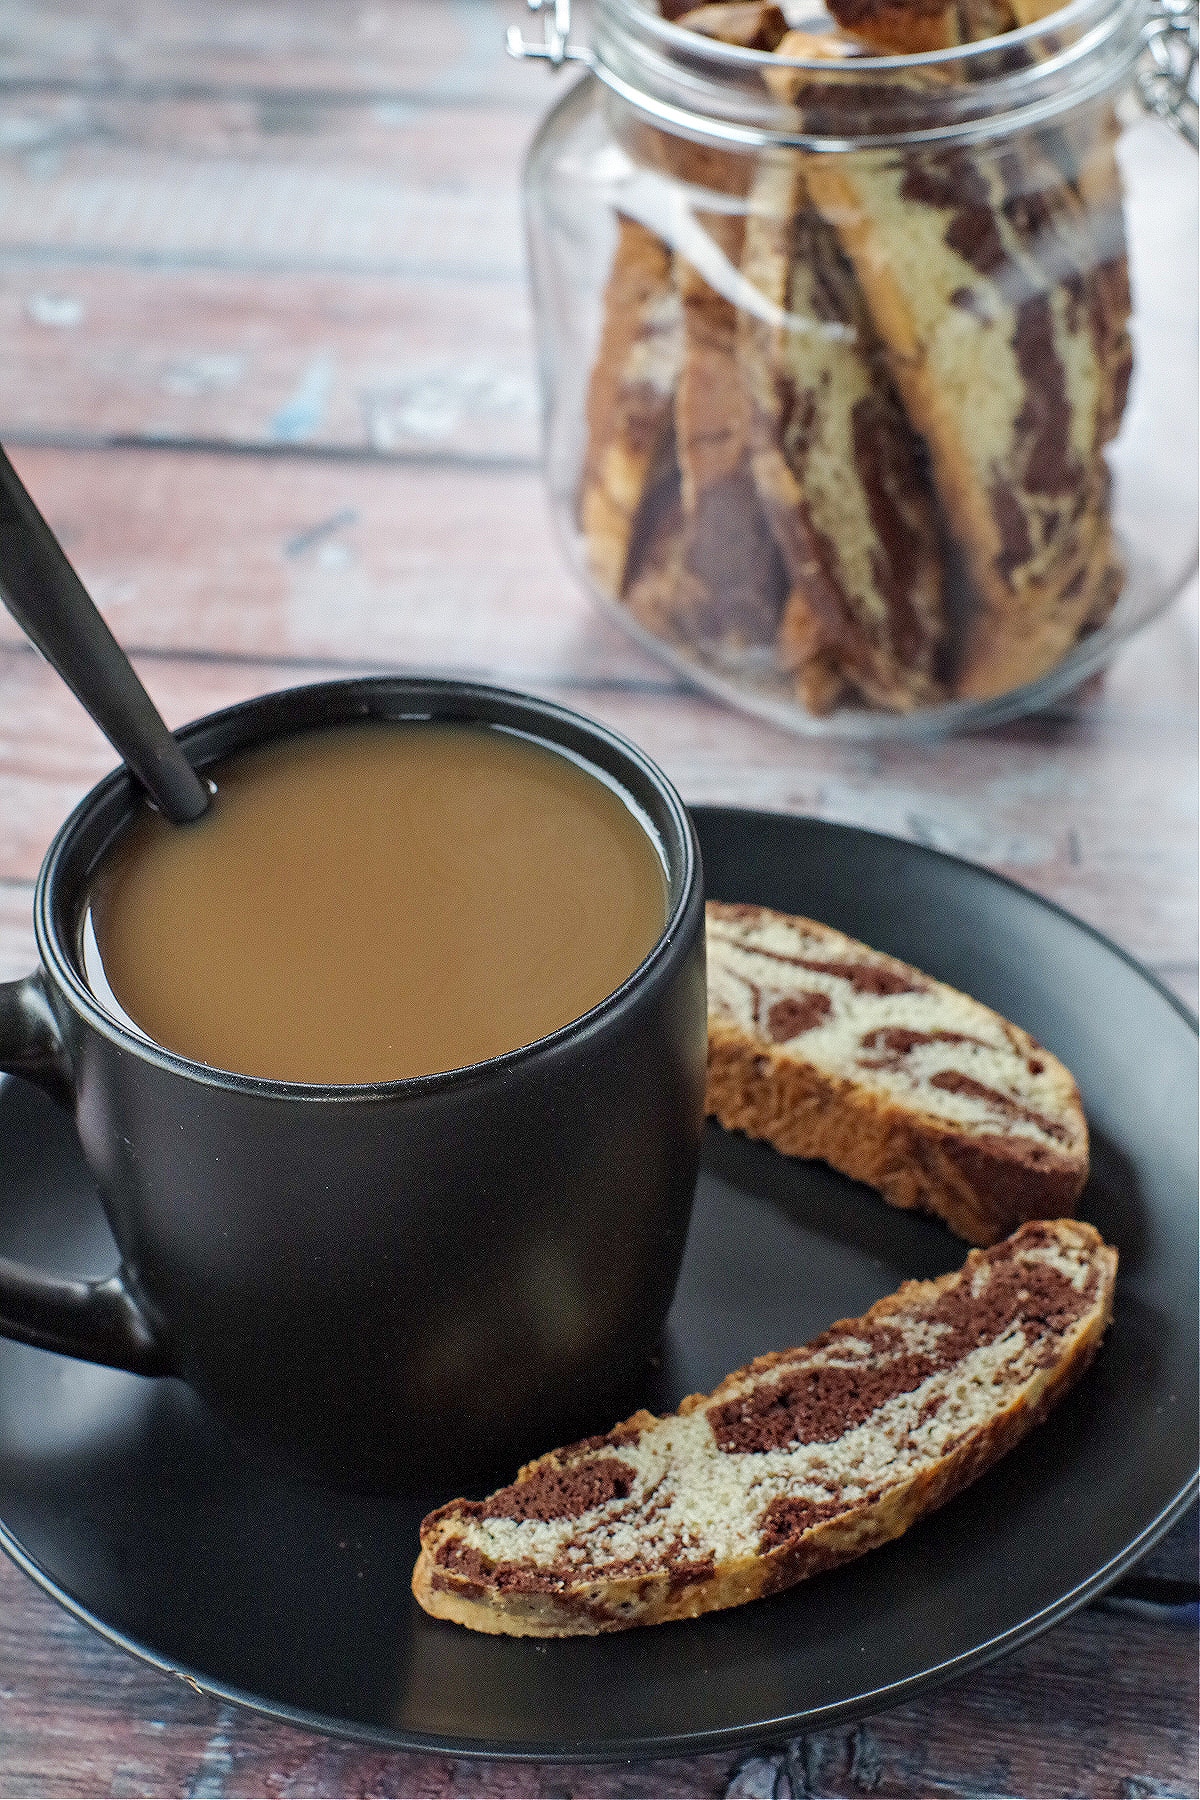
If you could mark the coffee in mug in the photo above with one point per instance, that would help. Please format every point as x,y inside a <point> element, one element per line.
<point>372,1281</point>
<point>377,901</point>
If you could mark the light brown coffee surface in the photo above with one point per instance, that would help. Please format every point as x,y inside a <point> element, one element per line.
<point>375,901</point>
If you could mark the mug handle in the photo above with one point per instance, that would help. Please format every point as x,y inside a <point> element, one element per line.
<point>99,1321</point>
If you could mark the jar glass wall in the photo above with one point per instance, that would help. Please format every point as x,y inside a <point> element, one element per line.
<point>869,381</point>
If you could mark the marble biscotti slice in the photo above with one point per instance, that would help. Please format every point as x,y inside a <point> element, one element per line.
<point>729,552</point>
<point>837,466</point>
<point>829,1049</point>
<point>972,263</point>
<point>908,27</point>
<point>631,397</point>
<point>796,1463</point>
<point>1080,147</point>
<point>748,24</point>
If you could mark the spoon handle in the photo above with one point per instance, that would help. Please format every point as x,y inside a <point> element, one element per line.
<point>51,605</point>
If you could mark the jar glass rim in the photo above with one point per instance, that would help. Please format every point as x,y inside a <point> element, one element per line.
<point>737,56</point>
<point>713,92</point>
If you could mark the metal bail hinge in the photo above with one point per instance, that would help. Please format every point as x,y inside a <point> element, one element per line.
<point>1167,72</point>
<point>556,47</point>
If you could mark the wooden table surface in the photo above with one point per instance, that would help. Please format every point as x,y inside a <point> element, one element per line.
<point>267,367</point>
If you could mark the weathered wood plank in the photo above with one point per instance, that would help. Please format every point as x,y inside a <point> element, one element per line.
<point>1095,810</point>
<point>221,183</point>
<point>322,562</point>
<point>438,48</point>
<point>1042,1722</point>
<point>319,561</point>
<point>1100,1704</point>
<point>367,364</point>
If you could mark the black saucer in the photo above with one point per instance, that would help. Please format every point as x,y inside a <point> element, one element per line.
<point>124,1500</point>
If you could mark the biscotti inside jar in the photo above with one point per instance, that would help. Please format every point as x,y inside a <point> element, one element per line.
<point>848,414</point>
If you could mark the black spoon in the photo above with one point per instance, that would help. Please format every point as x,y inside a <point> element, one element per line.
<point>51,605</point>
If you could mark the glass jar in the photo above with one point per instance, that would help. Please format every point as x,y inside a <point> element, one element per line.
<point>869,380</point>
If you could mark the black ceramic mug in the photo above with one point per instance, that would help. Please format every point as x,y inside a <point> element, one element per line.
<point>378,1282</point>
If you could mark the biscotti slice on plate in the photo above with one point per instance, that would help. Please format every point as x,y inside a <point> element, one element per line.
<point>829,1049</point>
<point>797,1462</point>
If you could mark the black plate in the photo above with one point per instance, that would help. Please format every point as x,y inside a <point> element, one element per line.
<point>120,1496</point>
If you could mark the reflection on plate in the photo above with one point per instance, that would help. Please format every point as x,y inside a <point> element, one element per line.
<point>124,1499</point>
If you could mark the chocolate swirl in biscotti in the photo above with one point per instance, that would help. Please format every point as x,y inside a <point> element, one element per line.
<point>748,24</point>
<point>1080,146</point>
<point>994,275</point>
<point>631,398</point>
<point>908,27</point>
<point>837,466</point>
<point>829,1049</point>
<point>797,1462</point>
<point>714,580</point>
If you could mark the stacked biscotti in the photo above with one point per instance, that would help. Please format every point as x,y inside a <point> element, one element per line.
<point>808,1457</point>
<point>882,474</point>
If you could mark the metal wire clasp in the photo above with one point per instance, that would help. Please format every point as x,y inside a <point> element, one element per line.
<point>1166,74</point>
<point>556,48</point>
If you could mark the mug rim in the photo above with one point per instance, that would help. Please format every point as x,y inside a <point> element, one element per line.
<point>279,708</point>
